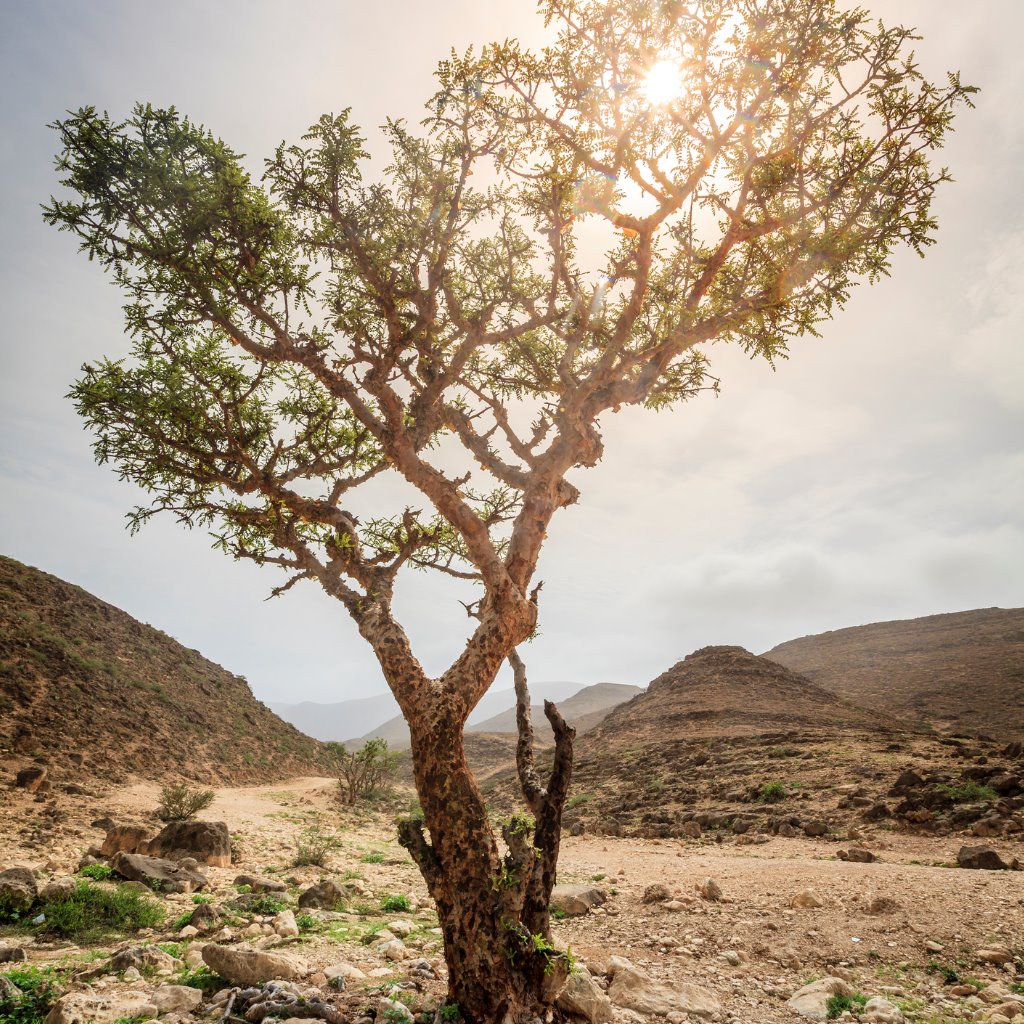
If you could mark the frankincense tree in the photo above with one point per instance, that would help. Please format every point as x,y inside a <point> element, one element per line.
<point>562,236</point>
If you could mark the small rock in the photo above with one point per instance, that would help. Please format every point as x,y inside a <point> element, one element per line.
<point>347,971</point>
<point>243,966</point>
<point>18,889</point>
<point>576,900</point>
<point>11,954</point>
<point>806,899</point>
<point>656,893</point>
<point>285,925</point>
<point>857,855</point>
<point>260,884</point>
<point>993,954</point>
<point>176,998</point>
<point>812,1000</point>
<point>980,858</point>
<point>209,842</point>
<point>710,890</point>
<point>392,1010</point>
<point>30,779</point>
<point>581,996</point>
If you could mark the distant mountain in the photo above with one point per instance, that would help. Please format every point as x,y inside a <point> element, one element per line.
<point>89,689</point>
<point>340,720</point>
<point>584,710</point>
<point>961,672</point>
<point>494,702</point>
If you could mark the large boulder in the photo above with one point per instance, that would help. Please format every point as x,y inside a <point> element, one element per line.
<point>101,1008</point>
<point>323,895</point>
<point>634,990</point>
<point>581,996</point>
<point>158,874</point>
<point>980,857</point>
<point>125,839</point>
<point>31,779</point>
<point>576,900</point>
<point>812,1000</point>
<point>18,889</point>
<point>245,967</point>
<point>176,999</point>
<point>209,842</point>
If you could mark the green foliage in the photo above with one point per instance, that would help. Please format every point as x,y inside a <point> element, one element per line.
<point>968,792</point>
<point>578,801</point>
<point>40,987</point>
<point>949,974</point>
<point>89,911</point>
<point>306,922</point>
<point>394,903</point>
<point>201,977</point>
<point>201,897</point>
<point>372,858</point>
<point>180,922</point>
<point>182,802</point>
<point>266,904</point>
<point>97,872</point>
<point>772,793</point>
<point>450,1012</point>
<point>837,1005</point>
<point>366,773</point>
<point>314,845</point>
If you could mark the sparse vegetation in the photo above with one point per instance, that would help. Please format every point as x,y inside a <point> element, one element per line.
<point>314,845</point>
<point>372,858</point>
<point>97,872</point>
<point>968,792</point>
<point>397,902</point>
<point>772,793</point>
<point>837,1005</point>
<point>89,911</point>
<point>39,988</point>
<point>365,773</point>
<point>182,803</point>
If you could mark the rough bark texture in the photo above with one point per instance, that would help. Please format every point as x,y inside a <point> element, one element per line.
<point>493,907</point>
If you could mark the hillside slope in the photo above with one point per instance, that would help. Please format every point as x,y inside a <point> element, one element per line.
<point>80,678</point>
<point>962,672</point>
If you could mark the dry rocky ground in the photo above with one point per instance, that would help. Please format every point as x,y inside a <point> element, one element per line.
<point>928,941</point>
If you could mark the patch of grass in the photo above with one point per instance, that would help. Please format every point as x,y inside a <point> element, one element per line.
<point>837,1005</point>
<point>969,792</point>
<point>266,905</point>
<point>180,922</point>
<point>40,987</point>
<point>450,1012</point>
<point>203,978</point>
<point>578,801</point>
<point>598,878</point>
<point>201,897</point>
<point>306,922</point>
<point>1017,987</point>
<point>396,902</point>
<point>97,872</point>
<point>372,858</point>
<point>772,793</point>
<point>89,911</point>
<point>949,975</point>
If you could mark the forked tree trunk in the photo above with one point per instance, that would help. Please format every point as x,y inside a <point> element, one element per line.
<point>492,907</point>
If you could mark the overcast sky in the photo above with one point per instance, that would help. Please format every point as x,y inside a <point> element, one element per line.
<point>876,475</point>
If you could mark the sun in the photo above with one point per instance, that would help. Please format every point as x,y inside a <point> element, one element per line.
<point>663,83</point>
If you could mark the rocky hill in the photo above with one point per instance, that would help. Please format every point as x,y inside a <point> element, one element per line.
<point>731,742</point>
<point>86,688</point>
<point>962,673</point>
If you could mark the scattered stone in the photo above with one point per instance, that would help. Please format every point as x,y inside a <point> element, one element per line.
<point>880,1011</point>
<point>576,900</point>
<point>143,958</point>
<point>285,925</point>
<point>857,855</point>
<point>157,873</point>
<point>18,889</point>
<point>393,1011</point>
<point>807,899</point>
<point>634,990</point>
<point>243,966</point>
<point>710,890</point>
<point>656,893</point>
<point>176,999</point>
<point>11,954</point>
<point>980,858</point>
<point>402,928</point>
<point>259,884</point>
<point>993,954</point>
<point>324,895</point>
<point>347,971</point>
<point>812,1000</point>
<point>815,828</point>
<point>932,946</point>
<point>882,905</point>
<point>209,842</point>
<point>691,829</point>
<point>101,1008</point>
<point>124,839</point>
<point>30,779</point>
<point>582,997</point>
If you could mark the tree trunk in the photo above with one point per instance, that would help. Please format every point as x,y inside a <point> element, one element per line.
<point>493,908</point>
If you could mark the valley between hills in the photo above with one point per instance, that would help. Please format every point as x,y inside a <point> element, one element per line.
<point>833,830</point>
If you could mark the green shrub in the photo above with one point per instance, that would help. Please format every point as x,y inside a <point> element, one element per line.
<point>772,793</point>
<point>313,846</point>
<point>89,911</point>
<point>98,872</point>
<point>180,922</point>
<point>391,904</point>
<point>266,905</point>
<point>968,792</point>
<point>372,858</point>
<point>203,978</point>
<point>181,802</point>
<point>40,988</point>
<point>201,897</point>
<point>306,922</point>
<point>837,1005</point>
<point>949,975</point>
<point>578,801</point>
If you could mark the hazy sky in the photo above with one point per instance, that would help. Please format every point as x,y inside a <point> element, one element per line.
<point>878,474</point>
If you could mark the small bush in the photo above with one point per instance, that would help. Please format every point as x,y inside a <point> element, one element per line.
<point>201,897</point>
<point>181,802</point>
<point>367,772</point>
<point>306,922</point>
<point>39,988</point>
<point>391,904</point>
<point>450,1012</point>
<point>772,793</point>
<point>837,1005</point>
<point>98,872</point>
<point>578,801</point>
<point>949,975</point>
<point>313,846</point>
<point>180,922</point>
<point>266,905</point>
<point>372,858</point>
<point>89,910</point>
<point>203,978</point>
<point>969,792</point>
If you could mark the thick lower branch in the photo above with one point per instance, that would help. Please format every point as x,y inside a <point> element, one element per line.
<point>533,792</point>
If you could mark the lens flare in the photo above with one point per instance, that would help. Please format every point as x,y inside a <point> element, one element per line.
<point>663,83</point>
